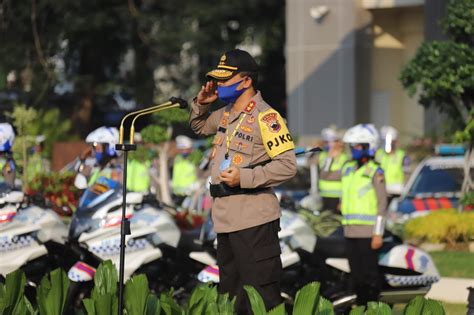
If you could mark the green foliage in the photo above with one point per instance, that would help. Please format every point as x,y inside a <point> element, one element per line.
<point>136,295</point>
<point>468,199</point>
<point>323,224</point>
<point>52,293</point>
<point>256,301</point>
<point>12,295</point>
<point>441,72</point>
<point>103,300</point>
<point>50,124</point>
<point>459,20</point>
<point>205,300</point>
<point>422,306</point>
<point>155,134</point>
<point>307,299</point>
<point>169,305</point>
<point>442,226</point>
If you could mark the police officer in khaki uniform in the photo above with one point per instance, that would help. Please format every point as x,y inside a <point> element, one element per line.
<point>252,152</point>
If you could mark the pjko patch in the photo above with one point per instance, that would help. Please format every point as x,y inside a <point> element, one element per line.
<point>271,120</point>
<point>275,135</point>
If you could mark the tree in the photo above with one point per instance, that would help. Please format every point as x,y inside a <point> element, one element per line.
<point>159,134</point>
<point>442,74</point>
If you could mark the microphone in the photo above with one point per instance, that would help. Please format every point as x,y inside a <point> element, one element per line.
<point>182,103</point>
<point>174,102</point>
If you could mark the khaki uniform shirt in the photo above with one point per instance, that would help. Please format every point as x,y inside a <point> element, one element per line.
<point>259,134</point>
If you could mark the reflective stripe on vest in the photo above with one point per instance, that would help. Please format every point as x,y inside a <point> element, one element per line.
<point>331,188</point>
<point>184,175</point>
<point>392,164</point>
<point>359,200</point>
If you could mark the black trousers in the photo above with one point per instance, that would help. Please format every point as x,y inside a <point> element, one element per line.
<point>250,257</point>
<point>363,261</point>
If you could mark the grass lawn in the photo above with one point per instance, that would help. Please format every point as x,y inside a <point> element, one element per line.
<point>451,309</point>
<point>454,264</point>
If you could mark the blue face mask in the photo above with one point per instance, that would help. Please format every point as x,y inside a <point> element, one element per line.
<point>358,154</point>
<point>99,156</point>
<point>229,94</point>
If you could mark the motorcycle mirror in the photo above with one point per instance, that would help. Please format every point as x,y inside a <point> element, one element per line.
<point>14,197</point>
<point>134,198</point>
<point>80,181</point>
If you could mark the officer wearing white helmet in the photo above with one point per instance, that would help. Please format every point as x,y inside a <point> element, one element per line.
<point>7,164</point>
<point>363,206</point>
<point>331,160</point>
<point>184,170</point>
<point>102,141</point>
<point>393,160</point>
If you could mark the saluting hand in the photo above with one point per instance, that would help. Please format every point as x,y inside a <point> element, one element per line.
<point>377,242</point>
<point>230,176</point>
<point>208,93</point>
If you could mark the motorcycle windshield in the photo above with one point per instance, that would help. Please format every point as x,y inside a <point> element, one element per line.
<point>97,193</point>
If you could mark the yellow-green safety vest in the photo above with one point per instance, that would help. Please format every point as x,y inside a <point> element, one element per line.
<point>138,178</point>
<point>184,175</point>
<point>36,166</point>
<point>359,200</point>
<point>332,188</point>
<point>97,172</point>
<point>392,164</point>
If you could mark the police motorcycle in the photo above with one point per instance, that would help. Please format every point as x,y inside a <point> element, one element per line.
<point>31,238</point>
<point>94,236</point>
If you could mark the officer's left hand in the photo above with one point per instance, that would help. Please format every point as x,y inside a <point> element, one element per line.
<point>230,176</point>
<point>377,242</point>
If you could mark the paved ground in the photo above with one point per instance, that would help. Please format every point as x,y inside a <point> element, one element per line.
<point>452,290</point>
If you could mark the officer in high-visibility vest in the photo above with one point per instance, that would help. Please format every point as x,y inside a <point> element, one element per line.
<point>394,161</point>
<point>7,164</point>
<point>184,170</point>
<point>331,160</point>
<point>138,169</point>
<point>103,141</point>
<point>37,164</point>
<point>363,206</point>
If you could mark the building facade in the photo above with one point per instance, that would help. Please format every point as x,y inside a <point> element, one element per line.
<point>344,59</point>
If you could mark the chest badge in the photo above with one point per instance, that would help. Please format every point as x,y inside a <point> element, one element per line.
<point>237,159</point>
<point>246,129</point>
<point>251,120</point>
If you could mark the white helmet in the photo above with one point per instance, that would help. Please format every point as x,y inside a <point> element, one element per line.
<point>7,136</point>
<point>105,135</point>
<point>184,143</point>
<point>363,133</point>
<point>330,134</point>
<point>388,131</point>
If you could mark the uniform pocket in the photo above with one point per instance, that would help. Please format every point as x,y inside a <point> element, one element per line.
<point>268,264</point>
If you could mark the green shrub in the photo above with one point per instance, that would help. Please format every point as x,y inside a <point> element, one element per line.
<point>52,292</point>
<point>442,226</point>
<point>139,300</point>
<point>12,295</point>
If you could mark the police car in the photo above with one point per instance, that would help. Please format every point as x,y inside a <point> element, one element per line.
<point>435,184</point>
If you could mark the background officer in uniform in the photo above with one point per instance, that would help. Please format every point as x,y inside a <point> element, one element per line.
<point>252,152</point>
<point>331,160</point>
<point>7,164</point>
<point>363,206</point>
<point>393,160</point>
<point>184,177</point>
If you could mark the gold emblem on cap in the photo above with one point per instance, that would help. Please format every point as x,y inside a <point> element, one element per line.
<point>223,58</point>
